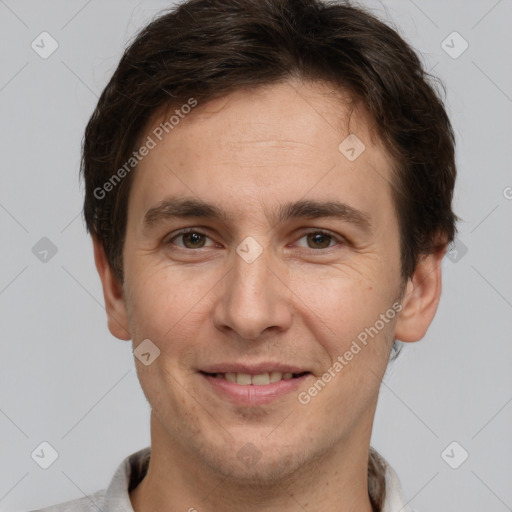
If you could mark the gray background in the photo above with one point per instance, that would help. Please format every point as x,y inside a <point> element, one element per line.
<point>67,381</point>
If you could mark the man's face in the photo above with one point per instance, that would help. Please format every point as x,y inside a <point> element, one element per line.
<point>295,307</point>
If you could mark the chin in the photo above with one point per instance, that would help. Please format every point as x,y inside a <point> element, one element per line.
<point>243,462</point>
<point>265,472</point>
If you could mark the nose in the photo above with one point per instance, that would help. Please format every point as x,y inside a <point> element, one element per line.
<point>253,300</point>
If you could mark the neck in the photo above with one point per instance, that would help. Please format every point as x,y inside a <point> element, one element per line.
<point>335,481</point>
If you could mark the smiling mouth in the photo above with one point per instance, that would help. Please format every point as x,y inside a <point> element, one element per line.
<point>260,379</point>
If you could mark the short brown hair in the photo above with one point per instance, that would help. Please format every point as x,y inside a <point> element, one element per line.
<point>206,49</point>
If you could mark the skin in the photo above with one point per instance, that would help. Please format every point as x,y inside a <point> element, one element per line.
<point>298,302</point>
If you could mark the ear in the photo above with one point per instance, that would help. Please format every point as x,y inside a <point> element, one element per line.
<point>421,298</point>
<point>112,293</point>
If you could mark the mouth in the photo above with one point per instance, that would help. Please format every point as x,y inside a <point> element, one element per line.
<point>254,387</point>
<point>259,379</point>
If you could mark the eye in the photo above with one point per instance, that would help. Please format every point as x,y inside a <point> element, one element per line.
<point>319,239</point>
<point>191,239</point>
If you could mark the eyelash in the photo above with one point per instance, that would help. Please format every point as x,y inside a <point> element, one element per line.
<point>186,231</point>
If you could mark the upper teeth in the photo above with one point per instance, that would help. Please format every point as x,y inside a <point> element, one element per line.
<point>258,380</point>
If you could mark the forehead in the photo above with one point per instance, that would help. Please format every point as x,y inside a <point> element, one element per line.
<point>258,145</point>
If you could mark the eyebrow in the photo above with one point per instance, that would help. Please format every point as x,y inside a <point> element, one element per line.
<point>181,208</point>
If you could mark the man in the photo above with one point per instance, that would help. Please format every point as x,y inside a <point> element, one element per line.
<point>268,188</point>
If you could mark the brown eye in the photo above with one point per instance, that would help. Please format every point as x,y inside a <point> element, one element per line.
<point>193,240</point>
<point>319,240</point>
<point>190,239</point>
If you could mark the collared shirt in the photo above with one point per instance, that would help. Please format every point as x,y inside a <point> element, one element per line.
<point>131,471</point>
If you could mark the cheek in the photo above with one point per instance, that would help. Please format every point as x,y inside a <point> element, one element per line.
<point>168,305</point>
<point>344,318</point>
<point>342,307</point>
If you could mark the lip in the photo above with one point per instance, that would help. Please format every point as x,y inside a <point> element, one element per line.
<point>252,395</point>
<point>253,369</point>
